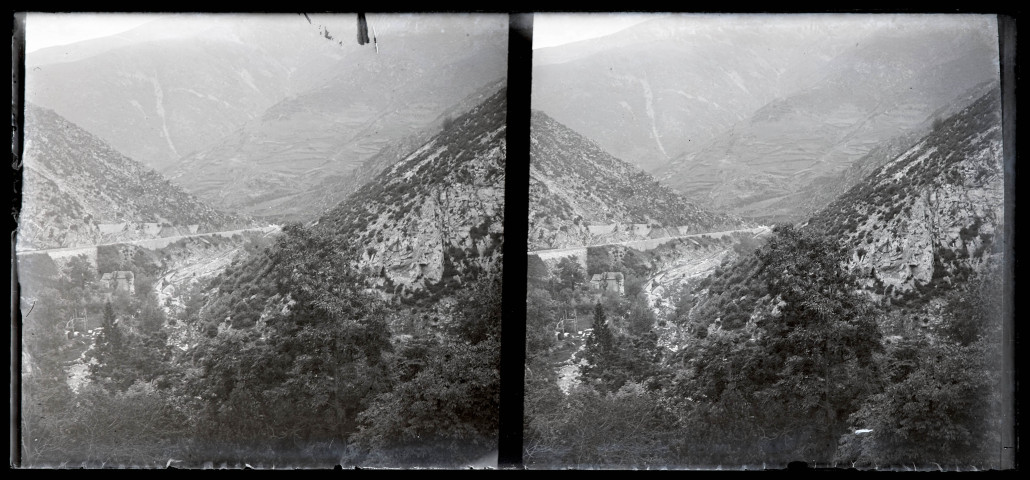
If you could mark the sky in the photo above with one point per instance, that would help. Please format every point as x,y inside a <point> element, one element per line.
<point>44,30</point>
<point>551,29</point>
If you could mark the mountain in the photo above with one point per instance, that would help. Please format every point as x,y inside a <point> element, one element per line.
<point>932,216</point>
<point>889,85</point>
<point>581,195</point>
<point>333,188</point>
<point>435,219</point>
<point>667,87</point>
<point>180,83</point>
<point>372,101</point>
<point>369,339</point>
<point>422,230</point>
<point>920,226</point>
<point>817,195</point>
<point>751,114</point>
<point>882,317</point>
<point>78,190</point>
<point>248,110</point>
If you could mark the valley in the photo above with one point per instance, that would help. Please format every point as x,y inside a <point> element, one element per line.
<point>245,241</point>
<point>799,257</point>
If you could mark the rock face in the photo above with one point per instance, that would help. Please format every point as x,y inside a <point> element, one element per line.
<point>581,195</point>
<point>78,191</point>
<point>934,213</point>
<point>435,217</point>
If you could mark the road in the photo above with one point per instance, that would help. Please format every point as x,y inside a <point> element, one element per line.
<point>153,243</point>
<point>649,242</point>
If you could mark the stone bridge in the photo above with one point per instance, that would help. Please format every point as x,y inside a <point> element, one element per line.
<point>61,256</point>
<point>551,257</point>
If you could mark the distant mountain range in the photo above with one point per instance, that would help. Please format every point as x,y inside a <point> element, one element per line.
<point>425,229</point>
<point>581,195</point>
<point>77,190</point>
<point>247,111</point>
<point>750,114</point>
<point>918,228</point>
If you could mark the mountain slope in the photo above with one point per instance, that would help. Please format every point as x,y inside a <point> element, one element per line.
<point>575,185</point>
<point>419,232</point>
<point>378,327</point>
<point>920,226</point>
<point>333,188</point>
<point>882,318</point>
<point>887,86</point>
<point>434,219</point>
<point>933,215</point>
<point>80,191</point>
<point>665,88</point>
<point>180,83</point>
<point>817,195</point>
<point>370,102</point>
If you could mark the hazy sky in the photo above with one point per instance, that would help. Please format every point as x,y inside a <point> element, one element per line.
<point>550,29</point>
<point>49,29</point>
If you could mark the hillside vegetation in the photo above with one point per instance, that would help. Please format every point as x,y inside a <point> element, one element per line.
<point>314,351</point>
<point>575,184</point>
<point>870,336</point>
<point>74,181</point>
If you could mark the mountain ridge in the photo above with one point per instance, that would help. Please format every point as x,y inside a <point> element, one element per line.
<point>581,195</point>
<point>79,191</point>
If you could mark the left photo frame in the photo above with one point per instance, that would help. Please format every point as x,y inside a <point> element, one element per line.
<point>257,240</point>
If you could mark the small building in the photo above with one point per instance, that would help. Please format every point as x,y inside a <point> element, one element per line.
<point>122,280</point>
<point>608,282</point>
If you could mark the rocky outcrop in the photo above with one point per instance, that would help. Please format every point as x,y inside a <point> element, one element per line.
<point>436,216</point>
<point>933,214</point>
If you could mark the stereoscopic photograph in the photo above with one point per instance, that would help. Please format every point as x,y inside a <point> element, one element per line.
<point>260,241</point>
<point>764,239</point>
<point>274,241</point>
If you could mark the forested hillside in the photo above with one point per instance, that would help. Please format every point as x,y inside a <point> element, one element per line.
<point>313,351</point>
<point>868,337</point>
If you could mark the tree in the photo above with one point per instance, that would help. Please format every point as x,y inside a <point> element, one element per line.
<point>802,371</point>
<point>445,391</point>
<point>599,260</point>
<point>569,273</point>
<point>109,351</point>
<point>942,403</point>
<point>536,271</point>
<point>600,348</point>
<point>303,375</point>
<point>540,322</point>
<point>80,271</point>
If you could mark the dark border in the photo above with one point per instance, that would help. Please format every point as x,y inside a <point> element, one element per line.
<point>17,140</point>
<point>516,227</point>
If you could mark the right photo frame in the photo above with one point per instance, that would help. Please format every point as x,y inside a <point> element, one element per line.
<point>758,239</point>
